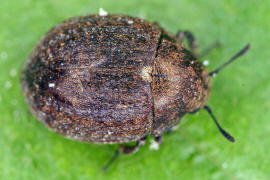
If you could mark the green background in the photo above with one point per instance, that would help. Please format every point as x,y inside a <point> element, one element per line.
<point>240,96</point>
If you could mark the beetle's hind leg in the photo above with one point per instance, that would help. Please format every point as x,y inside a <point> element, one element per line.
<point>125,149</point>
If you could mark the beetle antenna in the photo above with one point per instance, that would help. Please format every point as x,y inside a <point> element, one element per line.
<point>240,53</point>
<point>223,132</point>
<point>115,156</point>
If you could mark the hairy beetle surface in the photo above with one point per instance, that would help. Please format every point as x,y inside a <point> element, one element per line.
<point>113,79</point>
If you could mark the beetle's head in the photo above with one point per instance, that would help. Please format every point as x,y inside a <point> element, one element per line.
<point>181,84</point>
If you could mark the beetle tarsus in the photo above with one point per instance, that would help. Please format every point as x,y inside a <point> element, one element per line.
<point>115,156</point>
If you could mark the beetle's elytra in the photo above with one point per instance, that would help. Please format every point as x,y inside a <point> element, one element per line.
<point>113,79</point>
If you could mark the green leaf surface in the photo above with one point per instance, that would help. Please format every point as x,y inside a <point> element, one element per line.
<point>240,96</point>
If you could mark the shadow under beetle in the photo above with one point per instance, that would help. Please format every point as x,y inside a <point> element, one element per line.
<point>115,79</point>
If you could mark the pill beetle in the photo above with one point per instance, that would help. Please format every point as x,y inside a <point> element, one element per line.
<point>115,79</point>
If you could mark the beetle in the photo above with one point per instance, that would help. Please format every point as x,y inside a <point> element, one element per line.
<point>116,79</point>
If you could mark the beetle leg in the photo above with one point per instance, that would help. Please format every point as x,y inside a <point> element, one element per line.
<point>132,149</point>
<point>159,140</point>
<point>115,156</point>
<point>192,42</point>
<point>194,111</point>
<point>190,38</point>
<point>125,150</point>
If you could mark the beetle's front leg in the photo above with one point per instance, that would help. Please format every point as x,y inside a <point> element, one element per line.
<point>181,35</point>
<point>192,42</point>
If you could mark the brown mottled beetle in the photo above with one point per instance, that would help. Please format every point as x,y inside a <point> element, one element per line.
<point>115,79</point>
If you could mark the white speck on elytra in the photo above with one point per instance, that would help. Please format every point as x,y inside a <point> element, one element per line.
<point>130,22</point>
<point>102,12</point>
<point>153,145</point>
<point>146,73</point>
<point>51,85</point>
<point>62,35</point>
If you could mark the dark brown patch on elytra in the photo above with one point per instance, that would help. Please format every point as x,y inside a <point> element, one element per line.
<point>90,79</point>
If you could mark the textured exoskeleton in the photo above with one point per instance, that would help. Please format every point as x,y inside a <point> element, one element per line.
<point>112,79</point>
